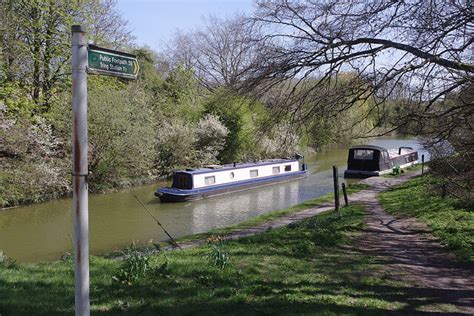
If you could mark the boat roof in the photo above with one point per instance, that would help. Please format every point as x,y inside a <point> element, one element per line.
<point>237,166</point>
<point>375,147</point>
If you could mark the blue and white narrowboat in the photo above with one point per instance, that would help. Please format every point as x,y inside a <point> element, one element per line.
<point>193,184</point>
<point>366,161</point>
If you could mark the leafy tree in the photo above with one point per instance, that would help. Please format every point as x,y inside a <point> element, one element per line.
<point>121,133</point>
<point>121,130</point>
<point>148,74</point>
<point>179,95</point>
<point>35,42</point>
<point>241,118</point>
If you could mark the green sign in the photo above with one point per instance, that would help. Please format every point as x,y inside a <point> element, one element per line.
<point>103,61</point>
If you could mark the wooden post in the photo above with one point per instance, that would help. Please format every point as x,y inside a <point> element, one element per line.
<point>422,164</point>
<point>346,201</point>
<point>336,188</point>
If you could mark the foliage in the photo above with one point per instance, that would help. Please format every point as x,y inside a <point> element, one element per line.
<point>14,99</point>
<point>282,143</point>
<point>134,267</point>
<point>181,144</point>
<point>217,255</point>
<point>447,217</point>
<point>148,74</point>
<point>178,96</point>
<point>121,132</point>
<point>32,164</point>
<point>36,41</point>
<point>241,117</point>
<point>7,262</point>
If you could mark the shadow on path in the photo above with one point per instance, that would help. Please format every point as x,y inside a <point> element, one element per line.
<point>410,254</point>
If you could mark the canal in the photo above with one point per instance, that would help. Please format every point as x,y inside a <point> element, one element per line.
<point>43,232</point>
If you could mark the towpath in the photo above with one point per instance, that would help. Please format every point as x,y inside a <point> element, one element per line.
<point>360,197</point>
<point>405,252</point>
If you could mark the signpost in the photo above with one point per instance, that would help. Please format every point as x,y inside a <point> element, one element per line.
<point>103,61</point>
<point>100,61</point>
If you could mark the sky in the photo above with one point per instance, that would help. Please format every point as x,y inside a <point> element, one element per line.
<point>153,22</point>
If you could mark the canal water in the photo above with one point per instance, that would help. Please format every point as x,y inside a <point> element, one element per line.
<point>43,232</point>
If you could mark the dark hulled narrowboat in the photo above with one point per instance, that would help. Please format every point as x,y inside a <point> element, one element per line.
<point>368,160</point>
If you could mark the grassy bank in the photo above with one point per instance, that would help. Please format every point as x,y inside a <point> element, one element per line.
<point>409,169</point>
<point>449,220</point>
<point>270,216</point>
<point>304,268</point>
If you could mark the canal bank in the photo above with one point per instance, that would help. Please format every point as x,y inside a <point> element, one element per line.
<point>42,231</point>
<point>316,264</point>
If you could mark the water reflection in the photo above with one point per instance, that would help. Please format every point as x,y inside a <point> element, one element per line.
<point>43,231</point>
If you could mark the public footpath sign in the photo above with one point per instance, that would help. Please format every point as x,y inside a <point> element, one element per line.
<point>93,60</point>
<point>103,61</point>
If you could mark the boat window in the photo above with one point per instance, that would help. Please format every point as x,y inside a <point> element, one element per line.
<point>182,181</point>
<point>232,175</point>
<point>363,154</point>
<point>253,173</point>
<point>210,180</point>
<point>276,170</point>
<point>287,168</point>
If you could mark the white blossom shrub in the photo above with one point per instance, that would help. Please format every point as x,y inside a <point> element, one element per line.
<point>32,167</point>
<point>182,145</point>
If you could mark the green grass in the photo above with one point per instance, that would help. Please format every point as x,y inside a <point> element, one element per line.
<point>270,216</point>
<point>309,267</point>
<point>449,220</point>
<point>409,169</point>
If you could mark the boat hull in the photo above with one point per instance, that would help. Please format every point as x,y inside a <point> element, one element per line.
<point>179,195</point>
<point>362,174</point>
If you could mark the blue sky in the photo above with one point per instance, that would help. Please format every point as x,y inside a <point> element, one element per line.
<point>153,22</point>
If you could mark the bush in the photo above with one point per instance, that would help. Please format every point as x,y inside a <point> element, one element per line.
<point>181,144</point>
<point>134,267</point>
<point>33,167</point>
<point>121,131</point>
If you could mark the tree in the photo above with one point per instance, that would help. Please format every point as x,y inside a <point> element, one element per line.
<point>221,53</point>
<point>35,42</point>
<point>242,119</point>
<point>424,46</point>
<point>105,25</point>
<point>34,45</point>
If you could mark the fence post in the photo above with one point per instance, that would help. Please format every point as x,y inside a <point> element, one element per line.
<point>422,164</point>
<point>336,188</point>
<point>346,201</point>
